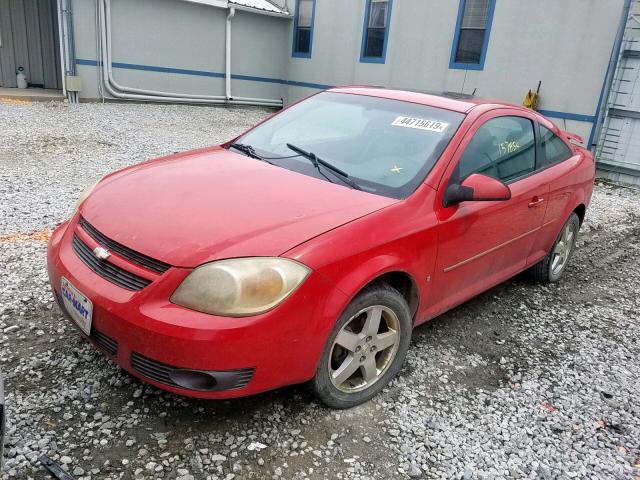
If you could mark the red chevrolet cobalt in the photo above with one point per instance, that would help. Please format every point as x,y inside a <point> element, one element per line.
<point>309,247</point>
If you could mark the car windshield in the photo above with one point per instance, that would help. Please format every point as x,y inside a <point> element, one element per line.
<point>386,147</point>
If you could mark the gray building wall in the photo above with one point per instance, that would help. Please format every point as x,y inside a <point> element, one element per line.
<point>565,44</point>
<point>179,35</point>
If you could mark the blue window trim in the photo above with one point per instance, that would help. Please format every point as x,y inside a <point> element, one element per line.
<point>485,44</point>
<point>295,31</point>
<point>365,25</point>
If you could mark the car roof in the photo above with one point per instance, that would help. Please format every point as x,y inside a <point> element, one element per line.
<point>456,102</point>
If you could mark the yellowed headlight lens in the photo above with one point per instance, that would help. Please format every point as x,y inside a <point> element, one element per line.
<point>240,287</point>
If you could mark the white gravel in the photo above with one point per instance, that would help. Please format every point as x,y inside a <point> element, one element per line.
<point>526,381</point>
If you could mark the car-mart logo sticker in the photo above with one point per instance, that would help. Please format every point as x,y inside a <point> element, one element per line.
<point>420,123</point>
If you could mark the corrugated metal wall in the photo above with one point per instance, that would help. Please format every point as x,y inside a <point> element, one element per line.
<point>29,39</point>
<point>618,151</point>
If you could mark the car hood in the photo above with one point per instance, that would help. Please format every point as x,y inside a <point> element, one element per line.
<point>192,208</point>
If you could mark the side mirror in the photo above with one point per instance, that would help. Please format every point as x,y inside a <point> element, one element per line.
<point>476,188</point>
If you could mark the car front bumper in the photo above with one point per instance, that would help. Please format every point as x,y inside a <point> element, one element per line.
<point>172,347</point>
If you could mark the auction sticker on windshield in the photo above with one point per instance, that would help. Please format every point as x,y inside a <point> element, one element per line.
<point>420,123</point>
<point>78,305</point>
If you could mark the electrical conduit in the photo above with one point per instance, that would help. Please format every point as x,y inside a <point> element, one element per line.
<point>118,91</point>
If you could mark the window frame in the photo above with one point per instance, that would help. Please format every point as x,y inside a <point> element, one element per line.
<point>365,29</point>
<point>294,52</point>
<point>456,39</point>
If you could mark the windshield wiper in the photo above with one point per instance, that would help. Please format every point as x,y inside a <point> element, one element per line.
<point>246,149</point>
<point>249,151</point>
<point>317,161</point>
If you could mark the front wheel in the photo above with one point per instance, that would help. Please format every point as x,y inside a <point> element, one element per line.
<point>551,267</point>
<point>366,348</point>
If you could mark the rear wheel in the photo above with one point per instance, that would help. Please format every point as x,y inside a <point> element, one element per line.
<point>551,267</point>
<point>366,348</point>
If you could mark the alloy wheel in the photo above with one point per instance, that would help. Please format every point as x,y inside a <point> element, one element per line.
<point>364,349</point>
<point>563,248</point>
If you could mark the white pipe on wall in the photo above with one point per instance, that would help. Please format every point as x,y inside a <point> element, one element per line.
<point>63,65</point>
<point>117,90</point>
<point>227,54</point>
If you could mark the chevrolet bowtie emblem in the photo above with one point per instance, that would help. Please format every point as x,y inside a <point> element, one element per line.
<point>101,253</point>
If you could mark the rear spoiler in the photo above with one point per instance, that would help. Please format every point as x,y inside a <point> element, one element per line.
<point>574,138</point>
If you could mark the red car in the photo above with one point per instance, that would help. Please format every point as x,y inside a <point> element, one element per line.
<point>309,247</point>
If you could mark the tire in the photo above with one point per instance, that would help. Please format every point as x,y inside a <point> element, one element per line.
<point>374,359</point>
<point>547,271</point>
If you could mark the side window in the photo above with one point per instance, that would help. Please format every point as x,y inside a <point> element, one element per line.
<point>502,148</point>
<point>303,28</point>
<point>552,148</point>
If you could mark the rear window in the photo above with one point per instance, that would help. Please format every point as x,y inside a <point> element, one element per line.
<point>552,148</point>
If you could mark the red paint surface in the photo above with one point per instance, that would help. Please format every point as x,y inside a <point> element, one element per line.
<point>211,204</point>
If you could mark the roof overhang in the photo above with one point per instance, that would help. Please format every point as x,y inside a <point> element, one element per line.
<point>262,7</point>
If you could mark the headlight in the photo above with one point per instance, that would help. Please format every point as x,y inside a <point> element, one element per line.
<point>85,193</point>
<point>240,287</point>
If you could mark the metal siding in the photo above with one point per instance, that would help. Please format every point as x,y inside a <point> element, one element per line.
<point>7,58</point>
<point>34,42</point>
<point>19,31</point>
<point>618,148</point>
<point>48,21</point>
<point>30,41</point>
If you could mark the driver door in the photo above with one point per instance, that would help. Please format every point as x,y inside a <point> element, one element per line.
<point>482,243</point>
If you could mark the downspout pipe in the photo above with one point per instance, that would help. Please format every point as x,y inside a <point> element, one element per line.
<point>61,41</point>
<point>67,39</point>
<point>71,46</point>
<point>106,38</point>
<point>227,54</point>
<point>117,90</point>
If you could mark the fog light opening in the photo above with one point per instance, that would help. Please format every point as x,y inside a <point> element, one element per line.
<point>193,379</point>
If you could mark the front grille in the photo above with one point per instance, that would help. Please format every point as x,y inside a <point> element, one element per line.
<point>150,368</point>
<point>104,342</point>
<point>125,252</point>
<point>108,270</point>
<point>160,372</point>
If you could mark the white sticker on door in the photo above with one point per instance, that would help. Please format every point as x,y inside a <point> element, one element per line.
<point>420,123</point>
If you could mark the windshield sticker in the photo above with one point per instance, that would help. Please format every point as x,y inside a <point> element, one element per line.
<point>420,123</point>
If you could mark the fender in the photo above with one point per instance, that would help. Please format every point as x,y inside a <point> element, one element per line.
<point>359,274</point>
<point>344,291</point>
<point>577,198</point>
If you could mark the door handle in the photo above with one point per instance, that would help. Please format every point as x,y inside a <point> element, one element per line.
<point>535,202</point>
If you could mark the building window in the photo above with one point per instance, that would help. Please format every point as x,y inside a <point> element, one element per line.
<point>375,31</point>
<point>303,28</point>
<point>472,34</point>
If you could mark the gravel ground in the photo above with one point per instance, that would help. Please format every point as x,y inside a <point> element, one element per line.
<point>525,381</point>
